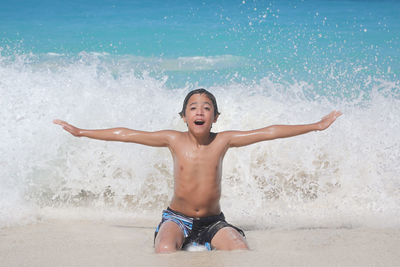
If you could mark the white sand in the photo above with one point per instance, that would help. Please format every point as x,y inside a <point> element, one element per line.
<point>83,243</point>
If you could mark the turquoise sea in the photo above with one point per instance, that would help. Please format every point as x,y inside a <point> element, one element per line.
<point>127,63</point>
<point>332,45</point>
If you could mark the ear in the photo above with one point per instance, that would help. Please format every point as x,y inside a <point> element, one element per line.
<point>184,118</point>
<point>216,118</point>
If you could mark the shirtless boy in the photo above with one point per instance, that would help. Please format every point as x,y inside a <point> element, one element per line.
<point>194,214</point>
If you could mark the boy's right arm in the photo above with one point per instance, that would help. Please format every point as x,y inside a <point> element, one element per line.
<point>159,138</point>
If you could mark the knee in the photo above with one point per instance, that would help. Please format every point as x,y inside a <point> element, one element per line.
<point>229,239</point>
<point>237,244</point>
<point>165,248</point>
<point>240,245</point>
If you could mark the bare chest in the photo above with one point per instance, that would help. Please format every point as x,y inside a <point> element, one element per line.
<point>199,160</point>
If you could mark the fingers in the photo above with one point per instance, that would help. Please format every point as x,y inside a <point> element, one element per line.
<point>329,119</point>
<point>334,114</point>
<point>66,126</point>
<point>338,113</point>
<point>59,122</point>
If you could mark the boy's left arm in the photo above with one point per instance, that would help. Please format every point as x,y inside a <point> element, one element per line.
<point>244,138</point>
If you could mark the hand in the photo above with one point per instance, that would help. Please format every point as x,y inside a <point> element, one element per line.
<point>328,120</point>
<point>68,127</point>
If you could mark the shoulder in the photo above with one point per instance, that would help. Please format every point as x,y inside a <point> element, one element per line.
<point>171,135</point>
<point>237,138</point>
<point>226,136</point>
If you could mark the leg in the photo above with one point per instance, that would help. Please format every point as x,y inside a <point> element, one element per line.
<point>228,238</point>
<point>169,238</point>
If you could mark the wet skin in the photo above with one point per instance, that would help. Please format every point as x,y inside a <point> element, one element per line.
<point>198,153</point>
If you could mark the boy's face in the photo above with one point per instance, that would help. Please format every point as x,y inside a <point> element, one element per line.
<point>199,114</point>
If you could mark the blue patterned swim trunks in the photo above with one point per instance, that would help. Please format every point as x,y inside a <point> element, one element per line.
<point>196,230</point>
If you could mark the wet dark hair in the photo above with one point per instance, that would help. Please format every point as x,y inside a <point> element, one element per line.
<point>199,91</point>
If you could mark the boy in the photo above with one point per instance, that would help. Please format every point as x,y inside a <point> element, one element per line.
<point>194,214</point>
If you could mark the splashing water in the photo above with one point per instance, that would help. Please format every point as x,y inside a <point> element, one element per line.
<point>347,175</point>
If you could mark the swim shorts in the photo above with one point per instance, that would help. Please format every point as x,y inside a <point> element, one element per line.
<point>196,230</point>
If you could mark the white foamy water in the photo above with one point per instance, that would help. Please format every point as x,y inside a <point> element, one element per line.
<point>345,176</point>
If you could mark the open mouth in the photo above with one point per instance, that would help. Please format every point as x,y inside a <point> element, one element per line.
<point>199,122</point>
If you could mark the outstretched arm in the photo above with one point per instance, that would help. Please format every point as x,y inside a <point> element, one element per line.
<point>243,138</point>
<point>159,138</point>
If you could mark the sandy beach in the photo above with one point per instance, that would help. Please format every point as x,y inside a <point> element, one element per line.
<point>87,243</point>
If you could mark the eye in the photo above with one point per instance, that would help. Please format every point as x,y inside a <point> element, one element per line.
<point>192,108</point>
<point>207,108</point>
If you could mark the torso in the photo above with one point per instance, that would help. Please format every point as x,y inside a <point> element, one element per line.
<point>197,175</point>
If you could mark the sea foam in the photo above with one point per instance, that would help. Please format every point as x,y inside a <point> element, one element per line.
<point>345,176</point>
